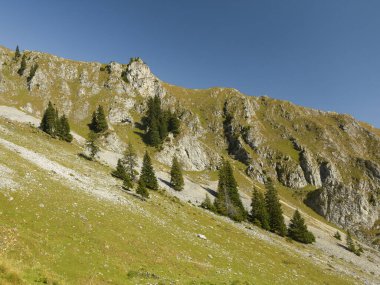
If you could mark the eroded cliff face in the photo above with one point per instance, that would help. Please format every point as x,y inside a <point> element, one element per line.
<point>334,154</point>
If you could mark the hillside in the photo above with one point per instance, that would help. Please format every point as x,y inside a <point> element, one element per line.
<point>62,212</point>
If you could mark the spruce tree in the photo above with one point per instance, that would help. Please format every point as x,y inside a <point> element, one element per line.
<point>130,160</point>
<point>337,235</point>
<point>22,66</point>
<point>228,201</point>
<point>147,173</point>
<point>17,53</point>
<point>174,124</point>
<point>98,122</point>
<point>64,129</point>
<point>120,171</point>
<point>176,178</point>
<point>298,230</point>
<point>259,214</point>
<point>101,119</point>
<point>158,123</point>
<point>276,220</point>
<point>351,244</point>
<point>153,135</point>
<point>207,204</point>
<point>91,145</point>
<point>48,122</point>
<point>141,189</point>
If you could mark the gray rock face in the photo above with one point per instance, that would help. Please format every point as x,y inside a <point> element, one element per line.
<point>111,141</point>
<point>191,153</point>
<point>141,78</point>
<point>310,168</point>
<point>344,205</point>
<point>329,173</point>
<point>255,171</point>
<point>290,174</point>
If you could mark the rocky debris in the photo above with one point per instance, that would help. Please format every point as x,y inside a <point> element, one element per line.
<point>310,168</point>
<point>290,174</point>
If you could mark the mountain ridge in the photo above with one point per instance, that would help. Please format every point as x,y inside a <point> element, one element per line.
<point>301,148</point>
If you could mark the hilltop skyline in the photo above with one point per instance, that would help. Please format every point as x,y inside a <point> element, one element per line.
<point>321,55</point>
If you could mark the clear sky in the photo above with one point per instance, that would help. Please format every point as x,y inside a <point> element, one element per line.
<point>323,54</point>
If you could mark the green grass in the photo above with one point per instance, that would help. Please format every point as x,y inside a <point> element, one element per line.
<point>64,236</point>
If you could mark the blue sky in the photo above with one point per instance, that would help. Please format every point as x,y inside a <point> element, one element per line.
<point>323,54</point>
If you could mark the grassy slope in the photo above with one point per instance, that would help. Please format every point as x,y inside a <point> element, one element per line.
<point>57,234</point>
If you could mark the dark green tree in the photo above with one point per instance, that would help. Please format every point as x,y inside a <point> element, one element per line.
<point>276,220</point>
<point>207,204</point>
<point>120,171</point>
<point>337,235</point>
<point>158,122</point>
<point>99,122</point>
<point>63,129</point>
<point>32,72</point>
<point>147,173</point>
<point>141,189</point>
<point>228,201</point>
<point>17,53</point>
<point>176,177</point>
<point>259,214</point>
<point>48,123</point>
<point>297,229</point>
<point>22,66</point>
<point>351,245</point>
<point>130,161</point>
<point>174,124</point>
<point>91,145</point>
<point>153,135</point>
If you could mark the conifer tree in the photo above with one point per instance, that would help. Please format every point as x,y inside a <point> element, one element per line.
<point>176,178</point>
<point>207,204</point>
<point>147,173</point>
<point>337,235</point>
<point>298,230</point>
<point>130,160</point>
<point>22,66</point>
<point>141,189</point>
<point>174,124</point>
<point>120,171</point>
<point>17,53</point>
<point>48,122</point>
<point>91,145</point>
<point>99,122</point>
<point>351,244</point>
<point>64,129</point>
<point>228,201</point>
<point>259,214</point>
<point>158,123</point>
<point>153,135</point>
<point>276,220</point>
<point>101,119</point>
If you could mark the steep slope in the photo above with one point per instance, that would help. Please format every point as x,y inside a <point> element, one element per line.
<point>65,220</point>
<point>330,160</point>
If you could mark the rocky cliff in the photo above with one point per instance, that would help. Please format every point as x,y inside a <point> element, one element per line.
<point>333,157</point>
